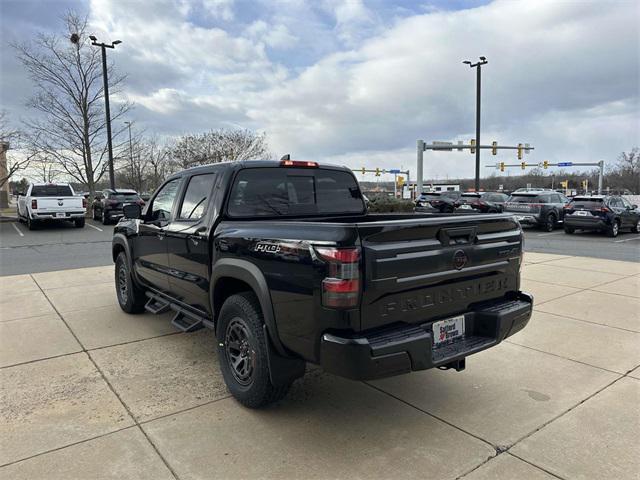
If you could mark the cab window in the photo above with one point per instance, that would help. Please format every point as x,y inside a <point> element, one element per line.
<point>196,198</point>
<point>163,201</point>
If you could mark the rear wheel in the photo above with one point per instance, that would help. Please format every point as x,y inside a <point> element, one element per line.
<point>568,229</point>
<point>636,227</point>
<point>549,223</point>
<point>614,229</point>
<point>131,297</point>
<point>242,352</point>
<point>31,225</point>
<point>105,218</point>
<point>95,214</point>
<point>79,223</point>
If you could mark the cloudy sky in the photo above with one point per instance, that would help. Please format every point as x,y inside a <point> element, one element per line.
<point>356,82</point>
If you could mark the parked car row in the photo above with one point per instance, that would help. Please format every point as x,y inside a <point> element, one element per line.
<point>543,208</point>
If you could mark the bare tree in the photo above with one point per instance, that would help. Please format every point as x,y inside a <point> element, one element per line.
<point>220,146</point>
<point>160,163</point>
<point>18,159</point>
<point>45,168</point>
<point>70,126</point>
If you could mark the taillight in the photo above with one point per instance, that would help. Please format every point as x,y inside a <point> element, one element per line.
<point>342,287</point>
<point>34,204</point>
<point>84,202</point>
<point>604,209</point>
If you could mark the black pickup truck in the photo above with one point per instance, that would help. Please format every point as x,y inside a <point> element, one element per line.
<point>282,261</point>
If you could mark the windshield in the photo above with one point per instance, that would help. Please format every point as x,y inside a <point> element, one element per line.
<point>51,191</point>
<point>294,191</point>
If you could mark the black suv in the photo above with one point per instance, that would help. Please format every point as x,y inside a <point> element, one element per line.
<point>443,202</point>
<point>543,209</point>
<point>108,204</point>
<point>606,213</point>
<point>484,202</point>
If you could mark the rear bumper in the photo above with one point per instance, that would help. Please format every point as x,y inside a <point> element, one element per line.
<point>526,218</point>
<point>52,216</point>
<point>586,223</point>
<point>401,349</point>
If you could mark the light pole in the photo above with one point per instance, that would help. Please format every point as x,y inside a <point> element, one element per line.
<point>128,124</point>
<point>103,46</point>
<point>477,66</point>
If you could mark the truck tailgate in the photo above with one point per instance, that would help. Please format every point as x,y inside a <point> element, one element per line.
<point>58,204</point>
<point>425,268</point>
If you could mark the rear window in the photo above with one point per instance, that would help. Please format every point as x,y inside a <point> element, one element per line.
<point>587,203</point>
<point>51,191</point>
<point>524,199</point>
<point>294,191</point>
<point>125,197</point>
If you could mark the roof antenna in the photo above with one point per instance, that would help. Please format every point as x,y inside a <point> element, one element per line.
<point>286,157</point>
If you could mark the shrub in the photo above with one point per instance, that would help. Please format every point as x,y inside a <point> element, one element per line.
<point>390,205</point>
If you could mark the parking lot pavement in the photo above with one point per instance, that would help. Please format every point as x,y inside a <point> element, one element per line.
<point>90,392</point>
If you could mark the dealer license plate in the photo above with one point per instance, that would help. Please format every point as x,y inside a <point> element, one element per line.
<point>466,207</point>
<point>448,330</point>
<point>582,213</point>
<point>60,215</point>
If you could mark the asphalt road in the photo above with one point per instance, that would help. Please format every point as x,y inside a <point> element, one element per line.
<point>62,246</point>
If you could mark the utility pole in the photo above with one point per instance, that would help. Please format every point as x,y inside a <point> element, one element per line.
<point>103,46</point>
<point>419,167</point>
<point>477,66</point>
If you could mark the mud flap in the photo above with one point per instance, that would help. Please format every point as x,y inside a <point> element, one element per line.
<point>282,370</point>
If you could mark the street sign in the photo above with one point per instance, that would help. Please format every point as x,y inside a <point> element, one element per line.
<point>565,164</point>
<point>443,146</point>
<point>395,170</point>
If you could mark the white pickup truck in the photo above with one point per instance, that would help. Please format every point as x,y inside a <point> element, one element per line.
<point>49,201</point>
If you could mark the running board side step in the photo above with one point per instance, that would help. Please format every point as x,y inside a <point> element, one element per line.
<point>156,305</point>
<point>184,320</point>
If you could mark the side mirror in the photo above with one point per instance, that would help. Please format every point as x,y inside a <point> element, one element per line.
<point>634,206</point>
<point>132,210</point>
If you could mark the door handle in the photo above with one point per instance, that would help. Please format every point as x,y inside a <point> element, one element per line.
<point>160,234</point>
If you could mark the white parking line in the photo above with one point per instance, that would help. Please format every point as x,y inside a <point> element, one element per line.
<point>550,233</point>
<point>17,229</point>
<point>93,226</point>
<point>628,239</point>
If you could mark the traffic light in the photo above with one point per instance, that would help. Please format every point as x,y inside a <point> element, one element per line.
<point>502,166</point>
<point>473,144</point>
<point>520,152</point>
<point>363,170</point>
<point>545,164</point>
<point>494,148</point>
<point>377,172</point>
<point>523,165</point>
<point>400,181</point>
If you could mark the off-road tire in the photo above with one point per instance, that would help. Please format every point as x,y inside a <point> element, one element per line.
<point>568,229</point>
<point>549,223</point>
<point>614,229</point>
<point>243,311</point>
<point>131,297</point>
<point>79,223</point>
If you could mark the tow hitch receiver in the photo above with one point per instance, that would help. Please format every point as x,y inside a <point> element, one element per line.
<point>459,365</point>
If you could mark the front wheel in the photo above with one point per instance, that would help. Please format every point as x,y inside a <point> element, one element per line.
<point>614,229</point>
<point>131,297</point>
<point>242,352</point>
<point>568,229</point>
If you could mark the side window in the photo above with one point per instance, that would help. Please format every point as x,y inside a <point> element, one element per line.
<point>555,198</point>
<point>543,199</point>
<point>615,202</point>
<point>625,202</point>
<point>196,197</point>
<point>163,202</point>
